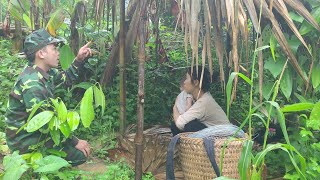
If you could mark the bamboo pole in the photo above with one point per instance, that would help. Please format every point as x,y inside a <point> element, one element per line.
<point>156,31</point>
<point>140,108</point>
<point>108,13</point>
<point>113,16</point>
<point>122,69</point>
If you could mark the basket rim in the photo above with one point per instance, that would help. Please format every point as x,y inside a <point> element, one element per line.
<point>231,138</point>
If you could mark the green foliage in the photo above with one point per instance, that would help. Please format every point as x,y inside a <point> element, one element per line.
<point>297,107</point>
<point>10,67</point>
<point>86,108</point>
<point>306,27</point>
<point>229,87</point>
<point>3,8</point>
<point>73,120</point>
<point>300,128</point>
<point>18,12</point>
<point>99,98</point>
<point>162,86</point>
<point>51,122</point>
<point>4,149</point>
<point>304,139</point>
<point>121,171</point>
<point>274,67</point>
<point>286,83</point>
<point>252,165</point>
<point>62,112</point>
<point>14,166</point>
<point>65,129</point>
<point>39,120</point>
<point>245,159</point>
<point>55,21</point>
<point>313,121</point>
<point>50,164</point>
<point>62,119</point>
<point>66,56</point>
<point>315,76</point>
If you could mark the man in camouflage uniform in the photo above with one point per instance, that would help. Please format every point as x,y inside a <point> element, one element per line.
<point>37,83</point>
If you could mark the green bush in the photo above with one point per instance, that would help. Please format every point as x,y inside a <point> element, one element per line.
<point>10,67</point>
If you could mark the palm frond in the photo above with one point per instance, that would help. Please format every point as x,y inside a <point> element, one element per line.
<point>234,16</point>
<point>280,37</point>
<point>299,8</point>
<point>253,15</point>
<point>282,9</point>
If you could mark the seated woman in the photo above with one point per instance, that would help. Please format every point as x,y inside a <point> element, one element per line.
<point>204,112</point>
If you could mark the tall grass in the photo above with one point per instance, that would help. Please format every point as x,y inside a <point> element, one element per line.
<point>250,165</point>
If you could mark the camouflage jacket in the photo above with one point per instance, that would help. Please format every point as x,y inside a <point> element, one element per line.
<point>32,86</point>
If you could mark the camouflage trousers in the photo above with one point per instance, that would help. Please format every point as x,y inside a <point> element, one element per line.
<point>74,156</point>
<point>22,143</point>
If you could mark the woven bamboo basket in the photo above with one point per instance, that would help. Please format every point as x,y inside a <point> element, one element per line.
<point>195,162</point>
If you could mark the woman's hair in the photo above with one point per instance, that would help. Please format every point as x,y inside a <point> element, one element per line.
<point>192,71</point>
<point>182,81</point>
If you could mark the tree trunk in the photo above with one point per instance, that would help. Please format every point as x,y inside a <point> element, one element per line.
<point>122,69</point>
<point>46,11</point>
<point>113,16</point>
<point>17,36</point>
<point>32,14</point>
<point>6,25</point>
<point>108,13</point>
<point>109,70</point>
<point>141,56</point>
<point>79,16</point>
<point>155,20</point>
<point>132,32</point>
<point>234,42</point>
<point>35,7</point>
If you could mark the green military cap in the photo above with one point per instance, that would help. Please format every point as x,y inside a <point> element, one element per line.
<point>37,40</point>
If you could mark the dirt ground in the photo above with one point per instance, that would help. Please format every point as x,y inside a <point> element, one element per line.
<point>94,165</point>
